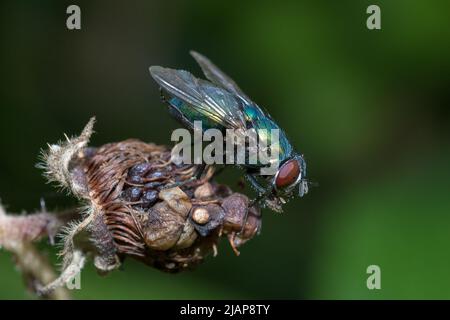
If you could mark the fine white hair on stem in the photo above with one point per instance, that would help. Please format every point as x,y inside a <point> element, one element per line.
<point>18,234</point>
<point>73,269</point>
<point>56,163</point>
<point>56,160</point>
<point>68,234</point>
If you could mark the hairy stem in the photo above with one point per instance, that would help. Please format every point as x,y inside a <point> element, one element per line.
<point>17,234</point>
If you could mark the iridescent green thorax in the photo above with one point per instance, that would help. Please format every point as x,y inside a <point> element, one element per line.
<point>258,120</point>
<point>255,119</point>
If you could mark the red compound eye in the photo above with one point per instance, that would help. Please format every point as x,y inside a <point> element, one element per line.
<point>287,174</point>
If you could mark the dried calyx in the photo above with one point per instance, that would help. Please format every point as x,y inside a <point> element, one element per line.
<point>131,208</point>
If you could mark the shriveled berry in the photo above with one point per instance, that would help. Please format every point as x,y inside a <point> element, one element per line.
<point>149,197</point>
<point>200,215</point>
<point>152,185</point>
<point>132,194</point>
<point>204,191</point>
<point>135,179</point>
<point>155,175</point>
<point>140,169</point>
<point>207,218</point>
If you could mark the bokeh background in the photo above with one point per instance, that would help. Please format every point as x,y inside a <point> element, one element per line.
<point>369,109</point>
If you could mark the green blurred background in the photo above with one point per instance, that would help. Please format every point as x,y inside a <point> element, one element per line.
<point>369,109</point>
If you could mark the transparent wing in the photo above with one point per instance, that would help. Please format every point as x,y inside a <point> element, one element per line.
<point>217,76</point>
<point>216,103</point>
<point>255,116</point>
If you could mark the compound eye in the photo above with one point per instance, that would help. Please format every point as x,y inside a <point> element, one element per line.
<point>287,174</point>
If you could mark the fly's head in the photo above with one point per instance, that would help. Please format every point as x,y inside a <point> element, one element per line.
<point>291,178</point>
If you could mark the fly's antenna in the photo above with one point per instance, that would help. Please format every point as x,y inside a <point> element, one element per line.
<point>162,96</point>
<point>312,183</point>
<point>304,186</point>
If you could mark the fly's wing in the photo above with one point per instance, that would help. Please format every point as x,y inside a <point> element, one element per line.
<point>254,115</point>
<point>217,76</point>
<point>214,103</point>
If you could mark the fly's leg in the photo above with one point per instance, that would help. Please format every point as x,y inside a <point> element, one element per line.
<point>198,171</point>
<point>162,96</point>
<point>255,184</point>
<point>263,193</point>
<point>260,198</point>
